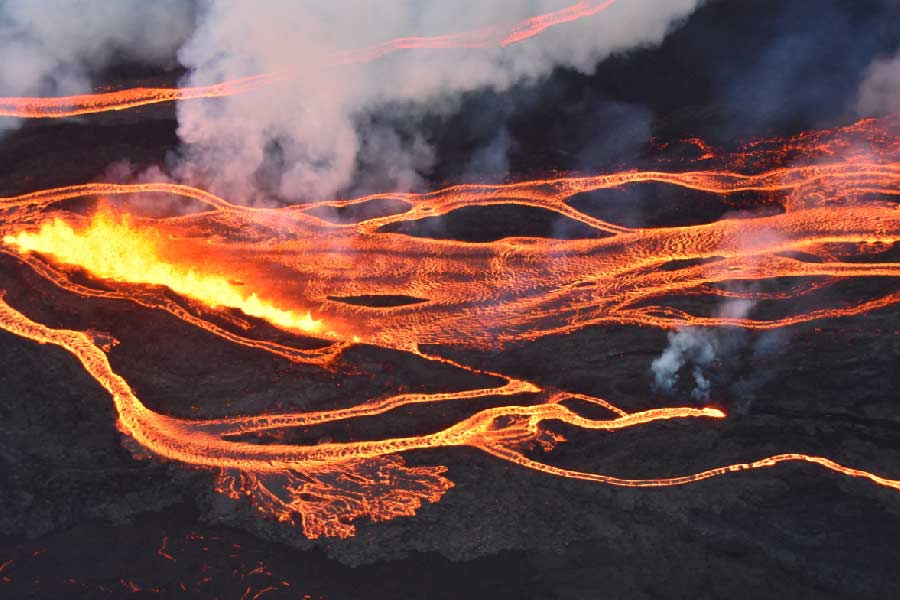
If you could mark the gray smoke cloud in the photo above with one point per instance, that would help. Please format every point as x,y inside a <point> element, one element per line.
<point>307,137</point>
<point>879,94</point>
<point>53,47</point>
<point>56,47</point>
<point>323,130</point>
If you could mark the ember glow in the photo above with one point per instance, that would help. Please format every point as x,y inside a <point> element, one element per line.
<point>490,37</point>
<point>834,207</point>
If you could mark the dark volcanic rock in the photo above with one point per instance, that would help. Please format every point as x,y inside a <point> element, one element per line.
<point>491,223</point>
<point>745,535</point>
<point>61,458</point>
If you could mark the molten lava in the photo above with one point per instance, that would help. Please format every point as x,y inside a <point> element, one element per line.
<point>833,202</point>
<point>115,250</point>
<point>85,104</point>
<point>491,37</point>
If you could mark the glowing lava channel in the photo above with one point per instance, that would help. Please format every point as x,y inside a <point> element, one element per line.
<point>478,294</point>
<point>113,249</point>
<point>490,37</point>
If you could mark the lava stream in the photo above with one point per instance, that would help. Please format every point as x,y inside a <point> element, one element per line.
<point>182,440</point>
<point>526,288</point>
<point>281,263</point>
<point>113,250</point>
<point>85,104</point>
<point>491,37</point>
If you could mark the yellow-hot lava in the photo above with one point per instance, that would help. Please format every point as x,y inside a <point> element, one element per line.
<point>112,248</point>
<point>484,295</point>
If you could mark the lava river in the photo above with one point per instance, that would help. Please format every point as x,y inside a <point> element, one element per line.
<point>300,271</point>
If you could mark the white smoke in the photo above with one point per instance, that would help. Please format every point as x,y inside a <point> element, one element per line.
<point>325,127</point>
<point>879,94</point>
<point>686,345</point>
<point>699,347</point>
<point>711,352</point>
<point>307,137</point>
<point>52,47</point>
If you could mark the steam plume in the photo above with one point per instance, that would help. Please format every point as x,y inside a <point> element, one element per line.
<point>720,355</point>
<point>53,48</point>
<point>308,136</point>
<point>880,91</point>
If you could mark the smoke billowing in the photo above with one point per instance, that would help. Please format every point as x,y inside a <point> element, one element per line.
<point>735,70</point>
<point>880,92</point>
<point>697,349</point>
<point>53,48</point>
<point>727,360</point>
<point>312,135</point>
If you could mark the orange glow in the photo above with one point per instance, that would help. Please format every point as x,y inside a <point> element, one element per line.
<point>481,295</point>
<point>85,104</point>
<point>115,250</point>
<point>491,37</point>
<point>535,25</point>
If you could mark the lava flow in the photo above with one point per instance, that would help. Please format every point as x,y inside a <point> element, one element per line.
<point>490,37</point>
<point>835,207</point>
<point>115,250</point>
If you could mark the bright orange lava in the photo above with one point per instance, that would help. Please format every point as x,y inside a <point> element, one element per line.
<point>116,250</point>
<point>491,37</point>
<point>85,104</point>
<point>834,203</point>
